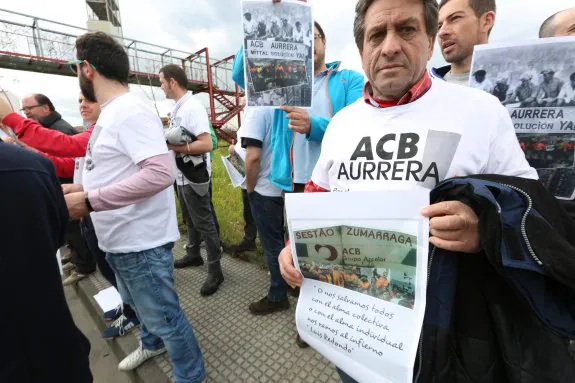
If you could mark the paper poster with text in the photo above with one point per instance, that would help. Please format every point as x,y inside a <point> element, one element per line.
<point>535,80</point>
<point>363,256</point>
<point>278,53</point>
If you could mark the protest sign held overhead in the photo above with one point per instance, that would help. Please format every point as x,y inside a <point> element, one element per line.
<point>364,265</point>
<point>535,80</point>
<point>278,46</point>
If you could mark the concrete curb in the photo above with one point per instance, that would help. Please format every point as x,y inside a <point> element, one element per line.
<point>120,347</point>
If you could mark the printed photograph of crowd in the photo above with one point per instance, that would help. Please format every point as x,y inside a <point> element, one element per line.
<point>530,76</point>
<point>392,283</point>
<point>554,158</point>
<point>389,276</point>
<point>544,151</point>
<point>274,82</point>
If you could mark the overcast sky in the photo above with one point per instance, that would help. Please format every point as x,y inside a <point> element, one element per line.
<point>192,25</point>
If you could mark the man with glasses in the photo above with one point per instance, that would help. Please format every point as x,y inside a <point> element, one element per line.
<point>38,107</point>
<point>297,133</point>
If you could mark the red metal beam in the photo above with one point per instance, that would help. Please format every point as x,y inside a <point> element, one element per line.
<point>224,60</point>
<point>210,86</point>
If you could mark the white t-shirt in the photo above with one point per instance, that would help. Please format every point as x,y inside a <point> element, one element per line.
<point>238,148</point>
<point>258,126</point>
<point>127,133</point>
<point>450,131</point>
<point>189,113</point>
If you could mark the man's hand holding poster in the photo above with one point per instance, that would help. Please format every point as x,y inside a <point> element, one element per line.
<point>535,80</point>
<point>364,265</point>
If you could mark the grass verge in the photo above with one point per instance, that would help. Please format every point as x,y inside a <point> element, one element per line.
<point>227,202</point>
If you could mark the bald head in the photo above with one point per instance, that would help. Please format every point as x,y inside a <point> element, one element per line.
<point>560,24</point>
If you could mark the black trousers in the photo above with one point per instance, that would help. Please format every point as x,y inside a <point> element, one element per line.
<point>214,210</point>
<point>250,228</point>
<point>92,243</point>
<point>82,258</point>
<point>105,269</point>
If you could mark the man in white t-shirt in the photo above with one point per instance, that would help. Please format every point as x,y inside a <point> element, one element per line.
<point>298,33</point>
<point>250,26</point>
<point>267,205</point>
<point>189,137</point>
<point>127,180</point>
<point>404,133</point>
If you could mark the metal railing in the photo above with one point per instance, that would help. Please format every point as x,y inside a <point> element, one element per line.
<point>39,38</point>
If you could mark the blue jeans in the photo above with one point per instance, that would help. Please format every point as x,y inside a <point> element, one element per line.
<point>268,214</point>
<point>145,282</point>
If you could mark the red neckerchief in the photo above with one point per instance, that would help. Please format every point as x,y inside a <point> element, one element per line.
<point>415,93</point>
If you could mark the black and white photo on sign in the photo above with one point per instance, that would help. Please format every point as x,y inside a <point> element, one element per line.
<point>278,53</point>
<point>535,80</point>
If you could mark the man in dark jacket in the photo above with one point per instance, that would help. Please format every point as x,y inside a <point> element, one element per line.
<point>31,196</point>
<point>39,107</point>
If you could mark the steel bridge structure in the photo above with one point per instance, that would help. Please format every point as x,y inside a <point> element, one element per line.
<point>33,44</point>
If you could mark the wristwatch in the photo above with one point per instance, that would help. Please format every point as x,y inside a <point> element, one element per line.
<point>88,204</point>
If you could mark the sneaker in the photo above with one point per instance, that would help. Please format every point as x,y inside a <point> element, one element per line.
<point>73,278</point>
<point>113,314</point>
<point>68,267</point>
<point>264,306</point>
<point>120,327</point>
<point>138,357</point>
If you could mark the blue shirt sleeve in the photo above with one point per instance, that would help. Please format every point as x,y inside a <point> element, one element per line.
<point>238,68</point>
<point>353,92</point>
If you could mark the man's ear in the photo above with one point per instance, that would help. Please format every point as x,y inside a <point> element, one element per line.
<point>431,47</point>
<point>487,21</point>
<point>89,72</point>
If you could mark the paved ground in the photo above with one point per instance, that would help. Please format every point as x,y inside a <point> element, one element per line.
<point>237,346</point>
<point>102,361</point>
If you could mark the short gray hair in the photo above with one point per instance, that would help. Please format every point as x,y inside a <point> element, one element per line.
<point>431,19</point>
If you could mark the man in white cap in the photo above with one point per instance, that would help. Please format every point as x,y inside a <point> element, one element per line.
<point>525,93</point>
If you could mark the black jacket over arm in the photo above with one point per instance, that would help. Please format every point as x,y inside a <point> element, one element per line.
<point>41,343</point>
<point>504,315</point>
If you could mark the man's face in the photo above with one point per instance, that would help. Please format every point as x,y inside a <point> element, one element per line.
<point>396,47</point>
<point>90,111</point>
<point>548,76</point>
<point>318,49</point>
<point>564,23</point>
<point>33,110</point>
<point>459,30</point>
<point>166,86</point>
<point>248,17</point>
